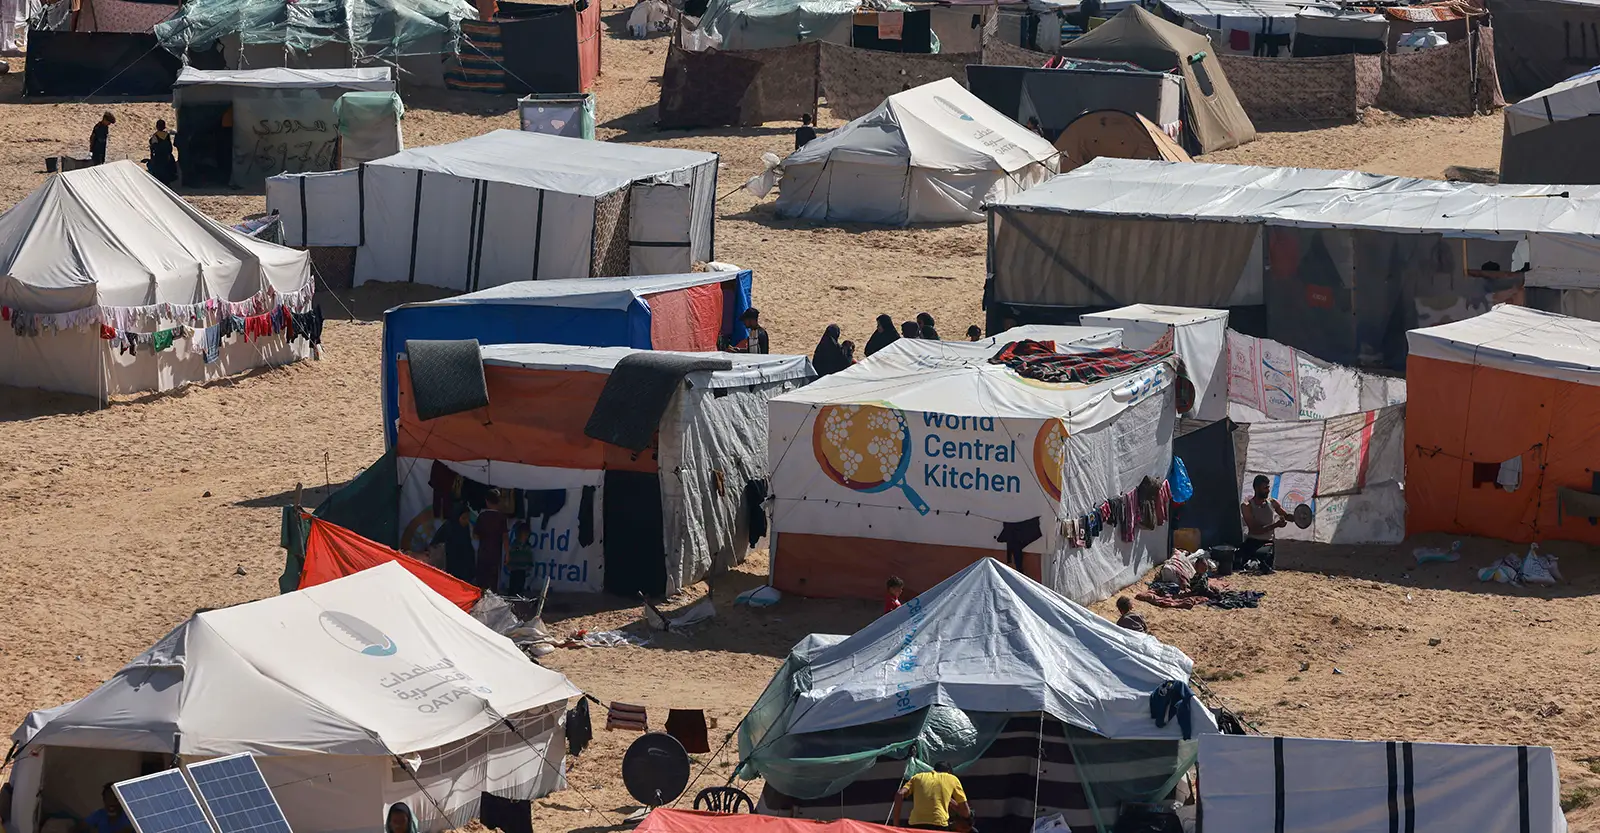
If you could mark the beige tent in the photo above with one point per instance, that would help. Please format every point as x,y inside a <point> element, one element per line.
<point>1211,110</point>
<point>1118,135</point>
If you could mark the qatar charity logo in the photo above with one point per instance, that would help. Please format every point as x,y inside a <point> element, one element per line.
<point>356,634</point>
<point>951,108</point>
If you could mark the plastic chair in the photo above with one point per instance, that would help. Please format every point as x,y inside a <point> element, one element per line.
<point>724,801</point>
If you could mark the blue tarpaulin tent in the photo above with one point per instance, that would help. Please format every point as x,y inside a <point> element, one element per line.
<point>589,312</point>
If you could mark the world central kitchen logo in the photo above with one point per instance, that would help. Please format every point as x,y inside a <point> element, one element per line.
<point>963,474</point>
<point>356,634</point>
<point>868,448</point>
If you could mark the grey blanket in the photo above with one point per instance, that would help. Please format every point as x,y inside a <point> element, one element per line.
<point>446,377</point>
<point>637,394</point>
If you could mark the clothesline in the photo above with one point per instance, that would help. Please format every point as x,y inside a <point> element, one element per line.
<point>148,317</point>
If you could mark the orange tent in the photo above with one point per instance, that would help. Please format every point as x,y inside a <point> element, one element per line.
<point>1502,426</point>
<point>664,820</point>
<point>335,552</point>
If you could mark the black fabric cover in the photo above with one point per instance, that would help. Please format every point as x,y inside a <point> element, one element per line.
<point>507,815</point>
<point>916,35</point>
<point>83,64</point>
<point>446,377</point>
<point>637,394</point>
<point>1551,155</point>
<point>1208,456</point>
<point>539,48</point>
<point>1317,46</point>
<point>1540,42</point>
<point>635,547</point>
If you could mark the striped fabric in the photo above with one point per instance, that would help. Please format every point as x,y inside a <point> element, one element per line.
<point>480,60</point>
<point>1001,785</point>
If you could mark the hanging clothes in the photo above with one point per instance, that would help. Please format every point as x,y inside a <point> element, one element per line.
<point>579,728</point>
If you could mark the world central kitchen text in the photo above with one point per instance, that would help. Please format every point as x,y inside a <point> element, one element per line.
<point>972,478</point>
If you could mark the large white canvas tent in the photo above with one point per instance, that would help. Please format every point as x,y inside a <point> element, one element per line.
<point>238,127</point>
<point>353,694</point>
<point>934,154</point>
<point>1356,258</point>
<point>1541,130</point>
<point>920,460</point>
<point>510,206</point>
<point>994,674</point>
<point>110,247</point>
<point>1319,785</point>
<point>1199,337</point>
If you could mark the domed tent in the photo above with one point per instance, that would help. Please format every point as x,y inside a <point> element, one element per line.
<point>1211,110</point>
<point>1116,134</point>
<point>933,154</point>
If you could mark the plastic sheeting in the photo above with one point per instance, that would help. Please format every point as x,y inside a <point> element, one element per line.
<point>762,24</point>
<point>1268,380</point>
<point>370,29</point>
<point>935,153</point>
<point>1300,785</point>
<point>1200,338</point>
<point>1517,339</point>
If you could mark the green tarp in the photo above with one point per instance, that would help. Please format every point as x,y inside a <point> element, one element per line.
<point>368,505</point>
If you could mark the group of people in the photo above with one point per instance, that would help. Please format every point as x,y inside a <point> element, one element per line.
<point>833,355</point>
<point>162,164</point>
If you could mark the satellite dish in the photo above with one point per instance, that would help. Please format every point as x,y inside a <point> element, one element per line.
<point>1303,516</point>
<point>655,769</point>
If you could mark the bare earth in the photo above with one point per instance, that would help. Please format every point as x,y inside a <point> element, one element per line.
<point>121,522</point>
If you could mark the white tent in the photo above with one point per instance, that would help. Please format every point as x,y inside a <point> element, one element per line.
<point>1540,128</point>
<point>111,247</point>
<point>934,154</point>
<point>982,647</point>
<point>357,693</point>
<point>1200,337</point>
<point>510,206</point>
<point>930,446</point>
<point>1318,785</point>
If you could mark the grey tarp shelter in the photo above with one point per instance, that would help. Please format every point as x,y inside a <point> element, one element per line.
<point>1537,43</point>
<point>239,127</point>
<point>1212,112</point>
<point>1548,135</point>
<point>511,206</point>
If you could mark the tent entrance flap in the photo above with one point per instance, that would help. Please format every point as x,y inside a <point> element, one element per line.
<point>658,231</point>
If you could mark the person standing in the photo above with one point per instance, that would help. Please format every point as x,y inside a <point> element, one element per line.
<point>891,595</point>
<point>805,133</point>
<point>910,329</point>
<point>1263,516</point>
<point>974,333</point>
<point>755,341</point>
<point>100,138</point>
<point>883,336</point>
<point>162,165</point>
<point>493,531</point>
<point>454,536</point>
<point>933,795</point>
<point>925,325</point>
<point>829,356</point>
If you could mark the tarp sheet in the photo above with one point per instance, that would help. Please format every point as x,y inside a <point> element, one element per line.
<point>333,552</point>
<point>1200,338</point>
<point>1517,339</point>
<point>369,28</point>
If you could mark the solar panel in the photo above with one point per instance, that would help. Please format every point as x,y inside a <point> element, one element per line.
<point>238,796</point>
<point>162,803</point>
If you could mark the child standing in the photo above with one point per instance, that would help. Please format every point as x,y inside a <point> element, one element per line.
<point>520,560</point>
<point>891,598</point>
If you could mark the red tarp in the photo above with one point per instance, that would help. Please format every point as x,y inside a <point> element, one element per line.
<point>686,821</point>
<point>335,552</point>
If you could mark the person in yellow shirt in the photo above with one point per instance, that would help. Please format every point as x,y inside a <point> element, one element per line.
<point>933,795</point>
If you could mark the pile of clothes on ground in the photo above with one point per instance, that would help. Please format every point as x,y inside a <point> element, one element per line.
<point>1183,583</point>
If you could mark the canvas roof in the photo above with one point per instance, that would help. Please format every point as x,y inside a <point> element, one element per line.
<point>1574,98</point>
<point>1156,313</point>
<point>552,163</point>
<point>581,293</point>
<point>1064,335</point>
<point>1234,14</point>
<point>371,79</point>
<point>374,663</point>
<point>938,125</point>
<point>989,639</point>
<point>956,378</point>
<point>748,368</point>
<point>112,235</point>
<point>1518,339</point>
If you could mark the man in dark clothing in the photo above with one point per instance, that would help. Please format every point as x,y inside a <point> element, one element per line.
<point>493,528</point>
<point>455,534</point>
<point>805,133</point>
<point>100,137</point>
<point>756,340</point>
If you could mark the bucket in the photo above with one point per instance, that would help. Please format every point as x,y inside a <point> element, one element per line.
<point>1186,538</point>
<point>1223,556</point>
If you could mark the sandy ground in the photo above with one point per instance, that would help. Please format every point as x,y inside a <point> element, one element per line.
<point>121,522</point>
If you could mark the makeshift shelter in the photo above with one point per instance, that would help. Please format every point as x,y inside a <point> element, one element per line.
<point>1211,112</point>
<point>1339,263</point>
<point>353,694</point>
<point>511,206</point>
<point>92,48</point>
<point>1199,337</point>
<point>239,127</point>
<point>688,313</point>
<point>955,458</point>
<point>113,284</point>
<point>558,114</point>
<point>1542,130</point>
<point>933,154</point>
<point>1041,706</point>
<point>1058,96</point>
<point>641,519</point>
<point>369,126</point>
<point>883,25</point>
<point>1503,448</point>
<point>530,48</point>
<point>1537,43</point>
<point>1118,135</point>
<point>1328,30</point>
<point>1299,785</point>
<point>1263,28</point>
<point>319,33</point>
